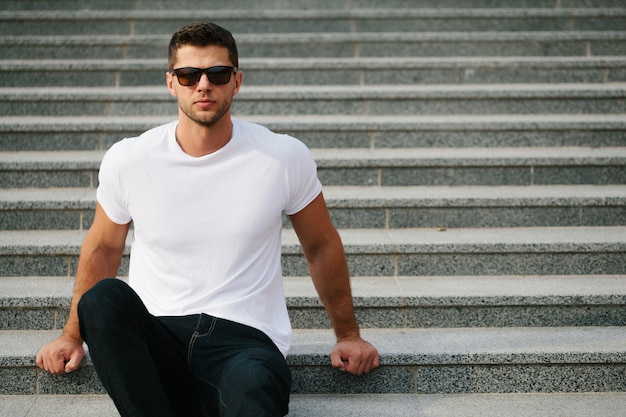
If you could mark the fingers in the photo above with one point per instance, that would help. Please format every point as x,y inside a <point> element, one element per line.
<point>337,362</point>
<point>362,365</point>
<point>55,364</point>
<point>359,366</point>
<point>39,360</point>
<point>51,363</point>
<point>356,357</point>
<point>366,366</point>
<point>72,364</point>
<point>58,357</point>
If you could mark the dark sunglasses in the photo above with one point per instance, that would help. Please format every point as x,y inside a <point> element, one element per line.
<point>190,76</point>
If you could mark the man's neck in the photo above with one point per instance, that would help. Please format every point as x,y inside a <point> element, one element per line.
<point>198,140</point>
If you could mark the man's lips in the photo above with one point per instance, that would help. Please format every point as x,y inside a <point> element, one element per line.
<point>204,103</point>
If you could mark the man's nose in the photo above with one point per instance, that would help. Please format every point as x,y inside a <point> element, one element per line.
<point>204,83</point>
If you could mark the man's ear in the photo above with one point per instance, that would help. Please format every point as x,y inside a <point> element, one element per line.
<point>238,82</point>
<point>169,81</point>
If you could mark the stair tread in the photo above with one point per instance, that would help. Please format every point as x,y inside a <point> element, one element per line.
<point>410,240</point>
<point>307,63</point>
<point>429,99</point>
<point>325,37</point>
<point>473,195</point>
<point>406,347</point>
<point>371,196</point>
<point>366,157</point>
<point>478,239</point>
<point>360,405</point>
<point>357,122</point>
<point>290,13</point>
<point>496,155</point>
<point>570,56</point>
<point>41,292</point>
<point>494,90</point>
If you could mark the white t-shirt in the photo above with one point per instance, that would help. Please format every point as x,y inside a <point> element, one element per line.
<point>207,230</point>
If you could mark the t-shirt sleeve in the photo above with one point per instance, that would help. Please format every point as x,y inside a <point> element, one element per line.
<point>110,193</point>
<point>304,185</point>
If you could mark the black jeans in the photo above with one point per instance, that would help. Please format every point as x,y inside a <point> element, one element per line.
<point>187,366</point>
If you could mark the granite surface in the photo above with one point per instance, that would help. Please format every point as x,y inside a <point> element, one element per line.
<point>440,301</point>
<point>372,207</point>
<point>574,359</point>
<point>480,405</point>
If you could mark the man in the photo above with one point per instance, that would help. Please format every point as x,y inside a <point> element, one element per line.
<point>202,327</point>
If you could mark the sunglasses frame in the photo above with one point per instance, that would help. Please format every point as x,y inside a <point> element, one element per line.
<point>210,73</point>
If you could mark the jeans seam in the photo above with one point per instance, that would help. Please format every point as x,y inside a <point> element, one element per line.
<point>196,334</point>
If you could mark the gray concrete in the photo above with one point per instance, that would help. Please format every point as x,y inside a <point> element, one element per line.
<point>371,207</point>
<point>486,405</point>
<point>62,134</point>
<point>330,100</point>
<point>126,22</point>
<point>379,252</point>
<point>473,155</point>
<point>42,303</point>
<point>96,71</point>
<point>425,361</point>
<point>300,4</point>
<point>382,166</point>
<point>344,45</point>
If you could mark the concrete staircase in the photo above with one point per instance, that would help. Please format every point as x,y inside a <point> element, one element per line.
<point>474,158</point>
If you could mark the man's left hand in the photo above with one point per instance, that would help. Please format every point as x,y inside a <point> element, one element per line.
<point>354,355</point>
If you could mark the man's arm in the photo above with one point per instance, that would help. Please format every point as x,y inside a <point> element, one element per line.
<point>100,257</point>
<point>326,260</point>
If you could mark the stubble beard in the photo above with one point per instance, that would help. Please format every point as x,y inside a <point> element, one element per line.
<point>207,118</point>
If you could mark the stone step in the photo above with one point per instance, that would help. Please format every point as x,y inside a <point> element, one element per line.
<point>609,404</point>
<point>17,68</point>
<point>331,45</point>
<point>299,4</point>
<point>452,308</point>
<point>372,207</point>
<point>329,100</point>
<point>415,131</point>
<point>421,361</point>
<point>373,167</point>
<point>42,303</point>
<point>471,166</point>
<point>384,252</point>
<point>449,207</point>
<point>145,22</point>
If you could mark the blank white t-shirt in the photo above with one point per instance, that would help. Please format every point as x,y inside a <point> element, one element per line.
<point>207,230</point>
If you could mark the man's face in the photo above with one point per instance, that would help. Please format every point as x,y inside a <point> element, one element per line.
<point>203,103</point>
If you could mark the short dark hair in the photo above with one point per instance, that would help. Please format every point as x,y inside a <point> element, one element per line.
<point>202,34</point>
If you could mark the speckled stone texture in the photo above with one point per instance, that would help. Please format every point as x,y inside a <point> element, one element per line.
<point>490,405</point>
<point>473,156</point>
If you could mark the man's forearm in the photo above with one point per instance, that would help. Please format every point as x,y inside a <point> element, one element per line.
<point>329,271</point>
<point>95,263</point>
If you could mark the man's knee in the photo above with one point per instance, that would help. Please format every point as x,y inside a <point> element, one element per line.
<point>261,379</point>
<point>107,304</point>
<point>98,296</point>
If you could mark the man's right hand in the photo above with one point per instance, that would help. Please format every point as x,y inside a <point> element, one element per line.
<point>61,356</point>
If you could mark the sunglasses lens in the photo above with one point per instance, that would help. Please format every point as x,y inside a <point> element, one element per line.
<point>219,75</point>
<point>188,76</point>
<point>191,76</point>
